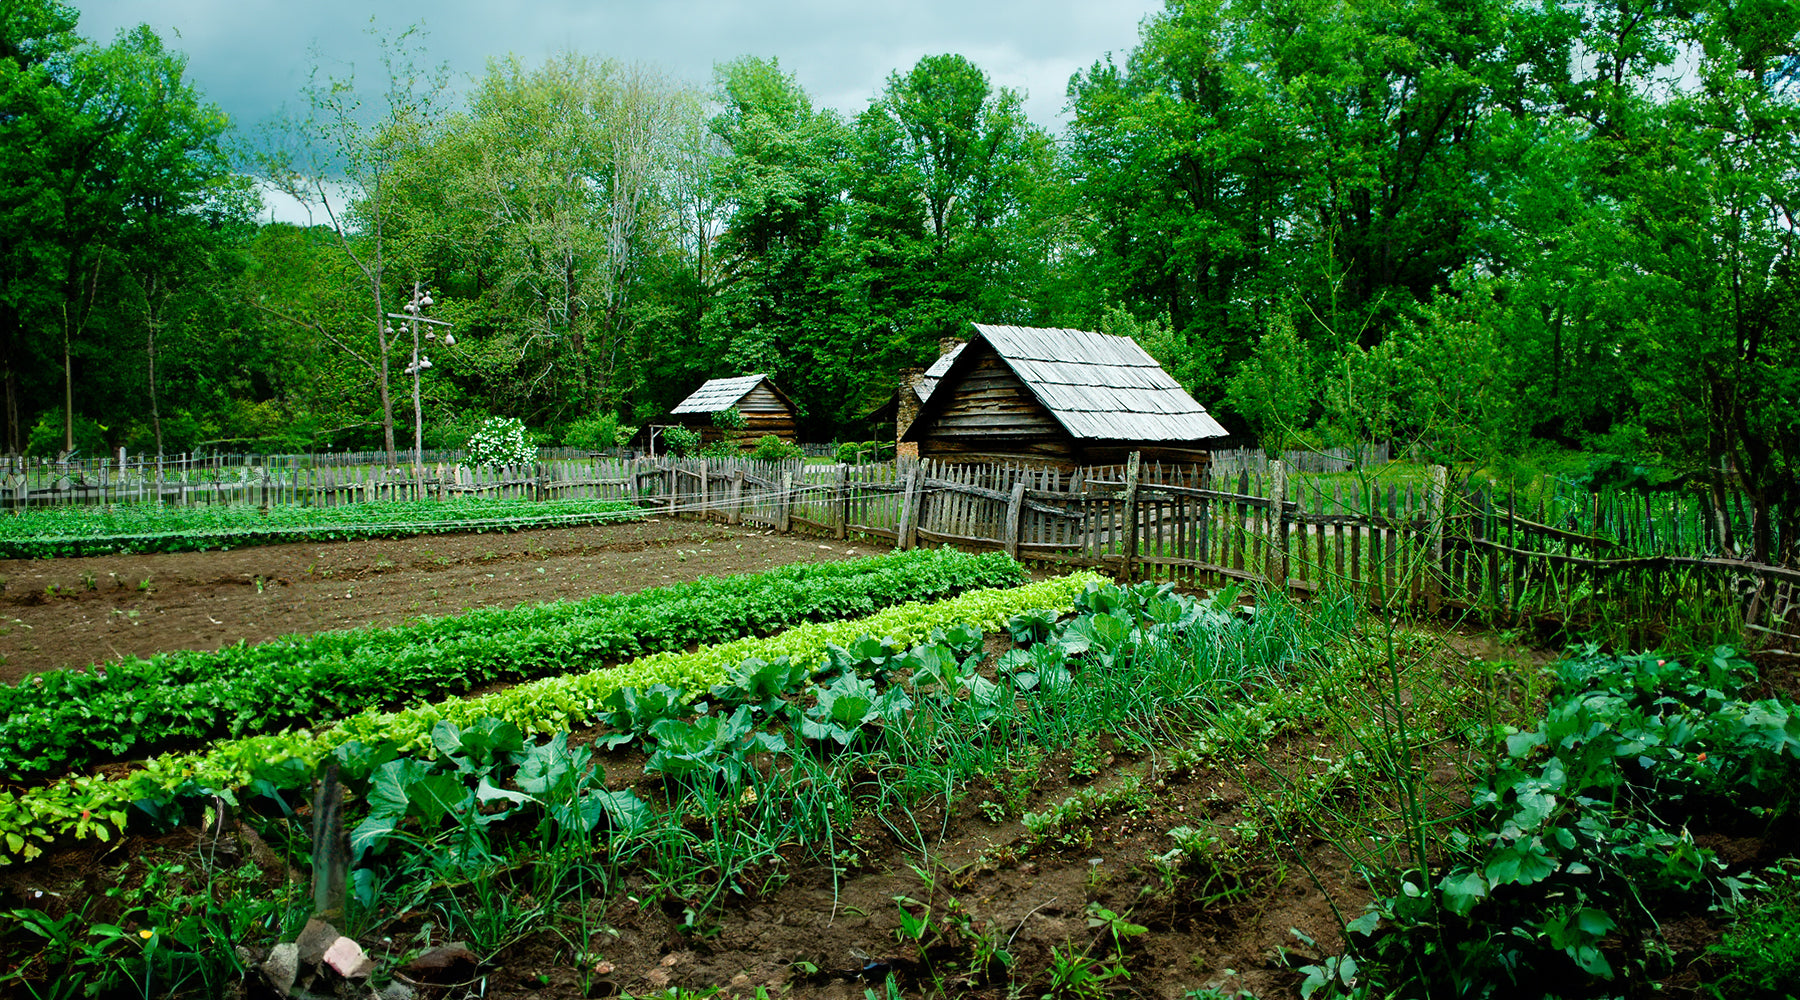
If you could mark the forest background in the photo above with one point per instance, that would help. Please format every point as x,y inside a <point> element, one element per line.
<point>1480,230</point>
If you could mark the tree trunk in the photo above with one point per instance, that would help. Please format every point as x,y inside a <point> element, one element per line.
<point>9,329</point>
<point>68,390</point>
<point>387,402</point>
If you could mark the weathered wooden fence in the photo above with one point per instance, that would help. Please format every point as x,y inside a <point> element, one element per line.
<point>320,484</point>
<point>1425,545</point>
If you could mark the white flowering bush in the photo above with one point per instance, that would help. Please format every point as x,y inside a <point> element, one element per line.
<point>500,441</point>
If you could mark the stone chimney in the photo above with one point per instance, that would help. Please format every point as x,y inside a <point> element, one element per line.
<point>906,410</point>
<point>948,344</point>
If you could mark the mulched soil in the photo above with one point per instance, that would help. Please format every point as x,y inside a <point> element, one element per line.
<point>57,613</point>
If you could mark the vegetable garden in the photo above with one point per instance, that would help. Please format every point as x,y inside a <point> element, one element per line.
<point>905,775</point>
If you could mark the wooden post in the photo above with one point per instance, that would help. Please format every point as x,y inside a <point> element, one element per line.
<point>1130,516</point>
<point>331,857</point>
<point>840,507</point>
<point>1437,498</point>
<point>1015,508</point>
<point>1277,569</point>
<point>785,502</point>
<point>908,533</point>
<point>734,511</point>
<point>705,482</point>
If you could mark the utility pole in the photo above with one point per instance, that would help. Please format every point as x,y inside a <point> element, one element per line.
<point>414,315</point>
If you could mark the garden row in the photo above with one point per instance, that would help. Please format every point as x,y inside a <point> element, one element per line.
<point>88,806</point>
<point>762,755</point>
<point>55,722</point>
<point>75,530</point>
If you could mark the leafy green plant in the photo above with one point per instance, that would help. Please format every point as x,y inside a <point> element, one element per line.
<point>1759,953</point>
<point>1072,973</point>
<point>1031,627</point>
<point>1583,825</point>
<point>709,748</point>
<point>681,441</point>
<point>761,684</point>
<point>848,704</point>
<point>630,713</point>
<point>866,657</point>
<point>599,433</point>
<point>857,452</point>
<point>770,448</point>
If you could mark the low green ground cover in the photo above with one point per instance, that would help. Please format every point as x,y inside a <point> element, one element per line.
<point>1581,837</point>
<point>54,722</point>
<point>75,530</point>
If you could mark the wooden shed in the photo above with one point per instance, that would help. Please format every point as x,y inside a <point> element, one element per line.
<point>766,410</point>
<point>1066,397</point>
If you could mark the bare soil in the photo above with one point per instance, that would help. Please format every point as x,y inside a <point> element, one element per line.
<point>58,613</point>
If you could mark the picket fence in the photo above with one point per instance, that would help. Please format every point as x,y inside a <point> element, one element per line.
<point>1430,547</point>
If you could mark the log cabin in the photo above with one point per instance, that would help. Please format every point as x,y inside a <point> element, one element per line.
<point>1057,397</point>
<point>766,410</point>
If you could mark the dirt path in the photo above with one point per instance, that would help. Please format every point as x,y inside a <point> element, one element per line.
<point>58,613</point>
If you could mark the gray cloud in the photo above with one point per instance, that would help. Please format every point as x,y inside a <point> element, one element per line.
<point>253,56</point>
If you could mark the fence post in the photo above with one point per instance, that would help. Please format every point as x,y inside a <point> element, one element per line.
<point>734,512</point>
<point>705,483</point>
<point>908,533</point>
<point>1437,502</point>
<point>1277,568</point>
<point>1014,509</point>
<point>1131,517</point>
<point>785,503</point>
<point>840,507</point>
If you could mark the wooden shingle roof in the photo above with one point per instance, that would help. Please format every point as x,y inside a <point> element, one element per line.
<point>1098,387</point>
<point>935,374</point>
<point>719,394</point>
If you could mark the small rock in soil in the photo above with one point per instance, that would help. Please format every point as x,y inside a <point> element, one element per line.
<point>317,937</point>
<point>281,966</point>
<point>449,964</point>
<point>346,958</point>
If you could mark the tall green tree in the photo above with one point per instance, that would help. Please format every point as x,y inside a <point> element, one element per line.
<point>945,216</point>
<point>348,164</point>
<point>1316,157</point>
<point>111,137</point>
<point>561,180</point>
<point>784,303</point>
<point>38,44</point>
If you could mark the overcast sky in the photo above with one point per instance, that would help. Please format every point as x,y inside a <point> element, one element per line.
<point>252,56</point>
